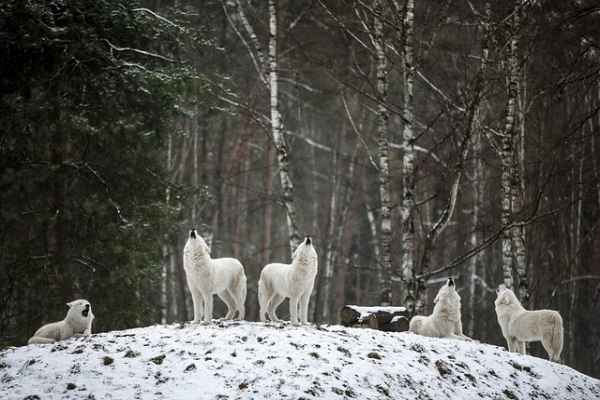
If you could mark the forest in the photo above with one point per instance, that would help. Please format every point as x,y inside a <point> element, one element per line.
<point>413,140</point>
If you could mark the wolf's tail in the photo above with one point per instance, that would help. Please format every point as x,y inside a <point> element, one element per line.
<point>40,340</point>
<point>557,336</point>
<point>262,298</point>
<point>414,325</point>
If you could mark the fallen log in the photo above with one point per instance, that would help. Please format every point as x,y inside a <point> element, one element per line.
<point>390,319</point>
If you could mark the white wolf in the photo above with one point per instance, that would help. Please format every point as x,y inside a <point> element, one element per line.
<point>445,321</point>
<point>519,325</point>
<point>207,276</point>
<point>296,280</point>
<point>78,322</point>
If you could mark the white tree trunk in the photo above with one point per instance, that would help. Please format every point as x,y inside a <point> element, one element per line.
<point>478,182</point>
<point>255,51</point>
<point>327,271</point>
<point>578,153</point>
<point>280,145</point>
<point>375,246</point>
<point>337,225</point>
<point>518,181</point>
<point>164,284</point>
<point>195,174</point>
<point>385,234</point>
<point>594,150</point>
<point>407,209</point>
<point>509,178</point>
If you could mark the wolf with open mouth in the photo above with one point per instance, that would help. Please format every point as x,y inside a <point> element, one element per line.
<point>78,322</point>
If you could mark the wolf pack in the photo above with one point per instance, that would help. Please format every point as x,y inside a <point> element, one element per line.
<point>225,277</point>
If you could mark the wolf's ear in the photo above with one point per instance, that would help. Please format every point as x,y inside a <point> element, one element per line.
<point>71,304</point>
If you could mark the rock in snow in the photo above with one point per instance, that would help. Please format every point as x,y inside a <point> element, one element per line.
<point>248,360</point>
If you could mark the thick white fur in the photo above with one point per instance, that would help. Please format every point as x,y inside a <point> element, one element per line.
<point>296,281</point>
<point>519,325</point>
<point>74,324</point>
<point>445,321</point>
<point>206,277</point>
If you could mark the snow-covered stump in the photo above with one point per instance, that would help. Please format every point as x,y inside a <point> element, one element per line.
<point>389,319</point>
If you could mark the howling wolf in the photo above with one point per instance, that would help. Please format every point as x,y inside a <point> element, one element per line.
<point>296,280</point>
<point>445,321</point>
<point>207,276</point>
<point>519,325</point>
<point>78,322</point>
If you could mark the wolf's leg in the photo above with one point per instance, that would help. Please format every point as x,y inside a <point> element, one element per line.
<point>522,347</point>
<point>511,344</point>
<point>229,301</point>
<point>458,330</point>
<point>515,346</point>
<point>294,309</point>
<point>263,299</point>
<point>208,307</point>
<point>272,304</point>
<point>198,305</point>
<point>304,300</point>
<point>40,340</point>
<point>239,294</point>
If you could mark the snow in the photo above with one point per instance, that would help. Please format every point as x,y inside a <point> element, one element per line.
<point>366,311</point>
<point>248,360</point>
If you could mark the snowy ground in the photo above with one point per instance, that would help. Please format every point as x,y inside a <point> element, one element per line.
<point>249,360</point>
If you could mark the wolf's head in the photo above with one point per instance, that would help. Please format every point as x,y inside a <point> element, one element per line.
<point>505,297</point>
<point>196,244</point>
<point>305,252</point>
<point>447,293</point>
<point>80,313</point>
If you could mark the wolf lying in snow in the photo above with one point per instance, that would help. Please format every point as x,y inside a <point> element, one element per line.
<point>296,280</point>
<point>207,276</point>
<point>445,321</point>
<point>78,322</point>
<point>519,325</point>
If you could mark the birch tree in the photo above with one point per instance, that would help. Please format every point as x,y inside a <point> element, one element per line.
<point>477,182</point>
<point>281,147</point>
<point>408,285</point>
<point>385,234</point>
<point>267,69</point>
<point>518,182</point>
<point>513,240</point>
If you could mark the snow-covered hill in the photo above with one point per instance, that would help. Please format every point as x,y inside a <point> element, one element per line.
<point>245,360</point>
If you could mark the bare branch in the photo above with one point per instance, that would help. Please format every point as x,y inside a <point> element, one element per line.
<point>155,15</point>
<point>360,137</point>
<point>483,245</point>
<point>343,26</point>
<point>421,150</point>
<point>483,284</point>
<point>259,64</point>
<point>139,51</point>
